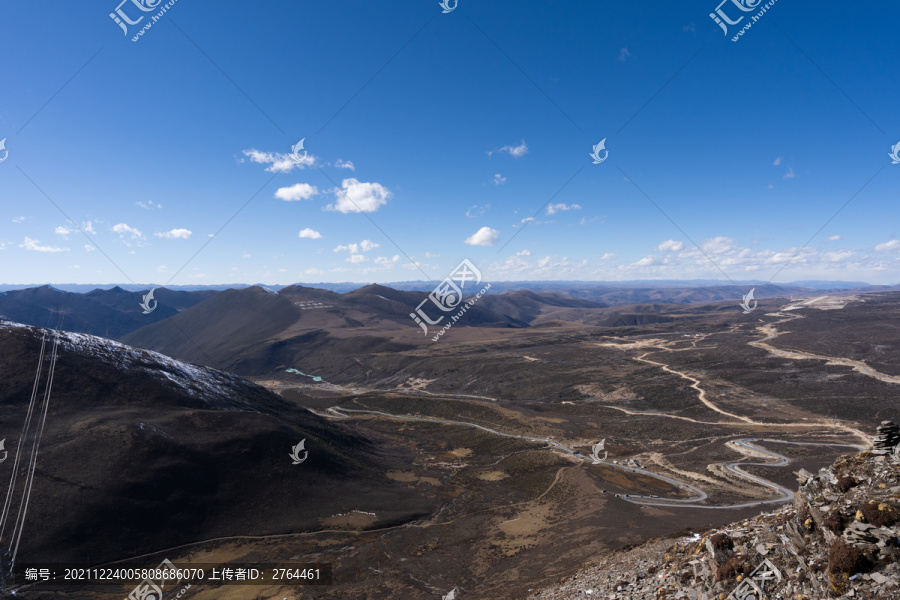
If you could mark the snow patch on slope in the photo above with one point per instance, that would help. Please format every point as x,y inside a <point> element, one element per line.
<point>209,385</point>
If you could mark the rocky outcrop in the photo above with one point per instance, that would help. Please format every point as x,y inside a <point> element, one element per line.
<point>887,438</point>
<point>840,538</point>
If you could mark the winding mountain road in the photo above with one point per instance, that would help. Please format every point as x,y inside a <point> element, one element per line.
<point>701,393</point>
<point>745,444</point>
<point>699,495</point>
<point>857,365</point>
<point>695,384</point>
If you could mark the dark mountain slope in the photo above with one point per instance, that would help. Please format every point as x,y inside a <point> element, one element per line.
<point>107,313</point>
<point>142,452</point>
<point>308,293</point>
<point>129,302</point>
<point>215,331</point>
<point>253,332</point>
<point>525,306</point>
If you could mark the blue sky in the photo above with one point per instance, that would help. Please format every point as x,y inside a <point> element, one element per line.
<point>157,161</point>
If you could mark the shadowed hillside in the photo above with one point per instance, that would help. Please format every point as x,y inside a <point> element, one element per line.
<point>142,452</point>
<point>107,313</point>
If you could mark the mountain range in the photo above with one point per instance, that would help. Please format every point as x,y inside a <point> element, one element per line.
<point>255,331</point>
<point>500,286</point>
<point>116,312</point>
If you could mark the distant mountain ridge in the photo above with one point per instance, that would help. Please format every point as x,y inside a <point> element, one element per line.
<point>422,286</point>
<point>251,331</point>
<point>107,313</point>
<point>116,312</point>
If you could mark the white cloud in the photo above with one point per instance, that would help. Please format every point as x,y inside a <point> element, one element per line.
<point>837,255</point>
<point>514,151</point>
<point>149,205</point>
<point>345,164</point>
<point>739,262</point>
<point>363,246</point>
<point>65,231</point>
<point>174,234</point>
<point>834,238</point>
<point>718,245</point>
<point>357,259</point>
<point>123,228</point>
<point>555,208</point>
<point>477,211</point>
<point>383,260</point>
<point>310,234</point>
<point>357,196</point>
<point>523,253</point>
<point>18,219</point>
<point>790,174</point>
<point>298,191</point>
<point>278,162</point>
<point>483,237</point>
<point>35,246</point>
<point>670,246</point>
<point>499,179</point>
<point>723,253</point>
<point>777,161</point>
<point>623,54</point>
<point>520,267</point>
